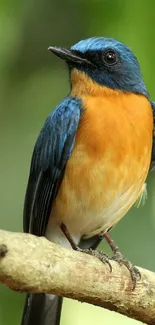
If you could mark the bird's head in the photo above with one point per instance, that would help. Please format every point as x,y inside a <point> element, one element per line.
<point>106,61</point>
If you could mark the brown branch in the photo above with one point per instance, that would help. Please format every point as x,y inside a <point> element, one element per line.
<point>33,264</point>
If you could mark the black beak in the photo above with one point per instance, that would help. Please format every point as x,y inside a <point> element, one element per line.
<point>69,55</point>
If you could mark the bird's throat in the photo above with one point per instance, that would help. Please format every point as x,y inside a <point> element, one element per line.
<point>83,85</point>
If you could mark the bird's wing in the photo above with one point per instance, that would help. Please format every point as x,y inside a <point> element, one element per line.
<point>152,166</point>
<point>51,152</point>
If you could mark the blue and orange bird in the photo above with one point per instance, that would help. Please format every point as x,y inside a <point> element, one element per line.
<point>91,159</point>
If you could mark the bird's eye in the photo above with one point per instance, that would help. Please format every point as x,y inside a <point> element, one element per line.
<point>110,57</point>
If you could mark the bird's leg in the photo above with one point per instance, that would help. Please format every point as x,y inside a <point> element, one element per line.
<point>134,272</point>
<point>68,236</point>
<point>100,255</point>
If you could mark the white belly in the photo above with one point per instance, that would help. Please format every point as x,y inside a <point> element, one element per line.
<point>90,224</point>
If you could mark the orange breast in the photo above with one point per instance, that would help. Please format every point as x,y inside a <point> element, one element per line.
<point>110,161</point>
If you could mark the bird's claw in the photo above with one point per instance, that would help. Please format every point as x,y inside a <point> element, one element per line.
<point>134,272</point>
<point>100,255</point>
<point>104,259</point>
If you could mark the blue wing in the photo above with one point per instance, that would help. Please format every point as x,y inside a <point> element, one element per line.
<point>153,146</point>
<point>51,153</point>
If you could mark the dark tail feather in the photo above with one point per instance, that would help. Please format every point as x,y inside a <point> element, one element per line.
<point>42,309</point>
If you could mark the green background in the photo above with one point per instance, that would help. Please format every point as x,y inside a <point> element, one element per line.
<point>32,82</point>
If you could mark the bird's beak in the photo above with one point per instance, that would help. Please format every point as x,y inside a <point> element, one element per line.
<point>69,55</point>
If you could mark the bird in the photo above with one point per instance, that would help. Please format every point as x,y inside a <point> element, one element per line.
<point>91,159</point>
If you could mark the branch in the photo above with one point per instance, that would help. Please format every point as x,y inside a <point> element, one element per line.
<point>33,264</point>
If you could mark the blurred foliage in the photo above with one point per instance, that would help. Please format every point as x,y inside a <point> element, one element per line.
<point>32,82</point>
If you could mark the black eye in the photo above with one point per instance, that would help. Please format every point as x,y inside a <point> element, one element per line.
<point>110,57</point>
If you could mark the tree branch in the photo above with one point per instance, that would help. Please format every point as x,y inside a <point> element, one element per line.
<point>33,264</point>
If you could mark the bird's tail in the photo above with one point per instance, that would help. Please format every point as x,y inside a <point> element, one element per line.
<point>42,309</point>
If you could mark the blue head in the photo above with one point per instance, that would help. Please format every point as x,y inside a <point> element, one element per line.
<point>107,61</point>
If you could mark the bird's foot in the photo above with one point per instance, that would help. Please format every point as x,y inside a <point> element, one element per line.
<point>118,257</point>
<point>100,255</point>
<point>134,272</point>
